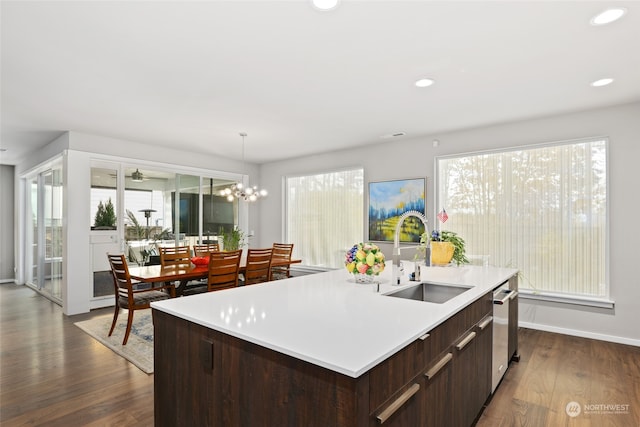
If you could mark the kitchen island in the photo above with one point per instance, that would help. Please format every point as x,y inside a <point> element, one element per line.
<point>319,350</point>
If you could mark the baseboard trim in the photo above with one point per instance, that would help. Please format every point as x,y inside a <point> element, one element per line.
<point>7,281</point>
<point>582,334</point>
<point>101,302</point>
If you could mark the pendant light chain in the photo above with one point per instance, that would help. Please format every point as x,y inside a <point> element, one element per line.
<point>238,190</point>
<point>244,162</point>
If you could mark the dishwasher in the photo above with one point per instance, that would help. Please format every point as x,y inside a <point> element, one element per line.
<point>500,355</point>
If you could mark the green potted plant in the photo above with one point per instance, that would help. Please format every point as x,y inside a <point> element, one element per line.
<point>446,246</point>
<point>232,240</point>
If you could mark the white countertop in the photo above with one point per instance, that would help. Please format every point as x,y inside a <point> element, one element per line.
<point>329,320</point>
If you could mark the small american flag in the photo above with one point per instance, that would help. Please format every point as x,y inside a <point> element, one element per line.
<point>442,216</point>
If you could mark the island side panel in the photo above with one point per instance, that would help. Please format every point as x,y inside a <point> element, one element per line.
<point>249,385</point>
<point>262,387</point>
<point>187,372</point>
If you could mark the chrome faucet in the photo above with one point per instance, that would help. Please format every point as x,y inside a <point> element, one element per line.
<point>396,240</point>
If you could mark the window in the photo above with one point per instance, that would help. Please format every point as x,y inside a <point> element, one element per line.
<point>150,201</point>
<point>103,199</point>
<point>158,206</point>
<point>540,209</point>
<point>325,215</point>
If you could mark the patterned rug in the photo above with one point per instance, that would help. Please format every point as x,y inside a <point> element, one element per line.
<point>139,348</point>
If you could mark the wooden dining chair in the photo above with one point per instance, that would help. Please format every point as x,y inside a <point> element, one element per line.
<point>223,270</point>
<point>258,267</point>
<point>205,249</point>
<point>281,252</point>
<point>180,257</point>
<point>175,256</point>
<point>133,296</point>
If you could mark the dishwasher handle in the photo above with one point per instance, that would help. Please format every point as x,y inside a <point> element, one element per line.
<point>504,299</point>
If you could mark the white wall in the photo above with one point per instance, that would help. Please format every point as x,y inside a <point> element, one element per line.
<point>410,158</point>
<point>54,148</point>
<point>77,275</point>
<point>7,250</point>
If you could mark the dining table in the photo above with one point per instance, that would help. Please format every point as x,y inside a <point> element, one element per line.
<point>186,273</point>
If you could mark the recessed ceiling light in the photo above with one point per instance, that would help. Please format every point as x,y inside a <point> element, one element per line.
<point>425,82</point>
<point>325,4</point>
<point>602,82</point>
<point>608,16</point>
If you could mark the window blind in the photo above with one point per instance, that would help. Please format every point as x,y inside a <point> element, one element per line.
<point>540,209</point>
<point>325,215</point>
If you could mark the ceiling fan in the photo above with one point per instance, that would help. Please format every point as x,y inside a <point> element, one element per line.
<point>135,176</point>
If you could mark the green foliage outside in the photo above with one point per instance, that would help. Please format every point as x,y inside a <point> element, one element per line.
<point>133,223</point>
<point>106,215</point>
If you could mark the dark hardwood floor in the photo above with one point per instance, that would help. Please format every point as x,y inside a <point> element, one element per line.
<point>54,374</point>
<point>555,370</point>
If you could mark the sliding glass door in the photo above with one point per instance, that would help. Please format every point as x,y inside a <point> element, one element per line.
<point>44,253</point>
<point>203,212</point>
<point>31,258</point>
<point>148,215</point>
<point>187,191</point>
<point>52,239</point>
<point>218,214</point>
<point>167,208</point>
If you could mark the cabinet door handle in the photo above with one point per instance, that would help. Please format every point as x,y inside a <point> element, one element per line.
<point>507,296</point>
<point>424,337</point>
<point>513,294</point>
<point>485,322</point>
<point>391,409</point>
<point>462,344</point>
<point>206,354</point>
<point>441,364</point>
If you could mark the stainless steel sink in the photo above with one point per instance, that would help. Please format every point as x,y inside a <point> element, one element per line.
<point>430,292</point>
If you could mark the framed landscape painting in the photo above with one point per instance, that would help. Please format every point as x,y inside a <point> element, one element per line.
<point>388,200</point>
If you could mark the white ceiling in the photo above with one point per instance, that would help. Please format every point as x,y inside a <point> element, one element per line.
<point>297,80</point>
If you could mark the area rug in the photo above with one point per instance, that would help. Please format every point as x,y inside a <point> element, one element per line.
<point>139,347</point>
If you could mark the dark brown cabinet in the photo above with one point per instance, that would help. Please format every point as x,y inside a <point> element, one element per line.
<point>396,387</point>
<point>437,397</point>
<point>404,409</point>
<point>205,377</point>
<point>465,389</point>
<point>187,373</point>
<point>484,360</point>
<point>471,371</point>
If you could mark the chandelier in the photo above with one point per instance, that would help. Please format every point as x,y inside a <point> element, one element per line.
<point>239,190</point>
